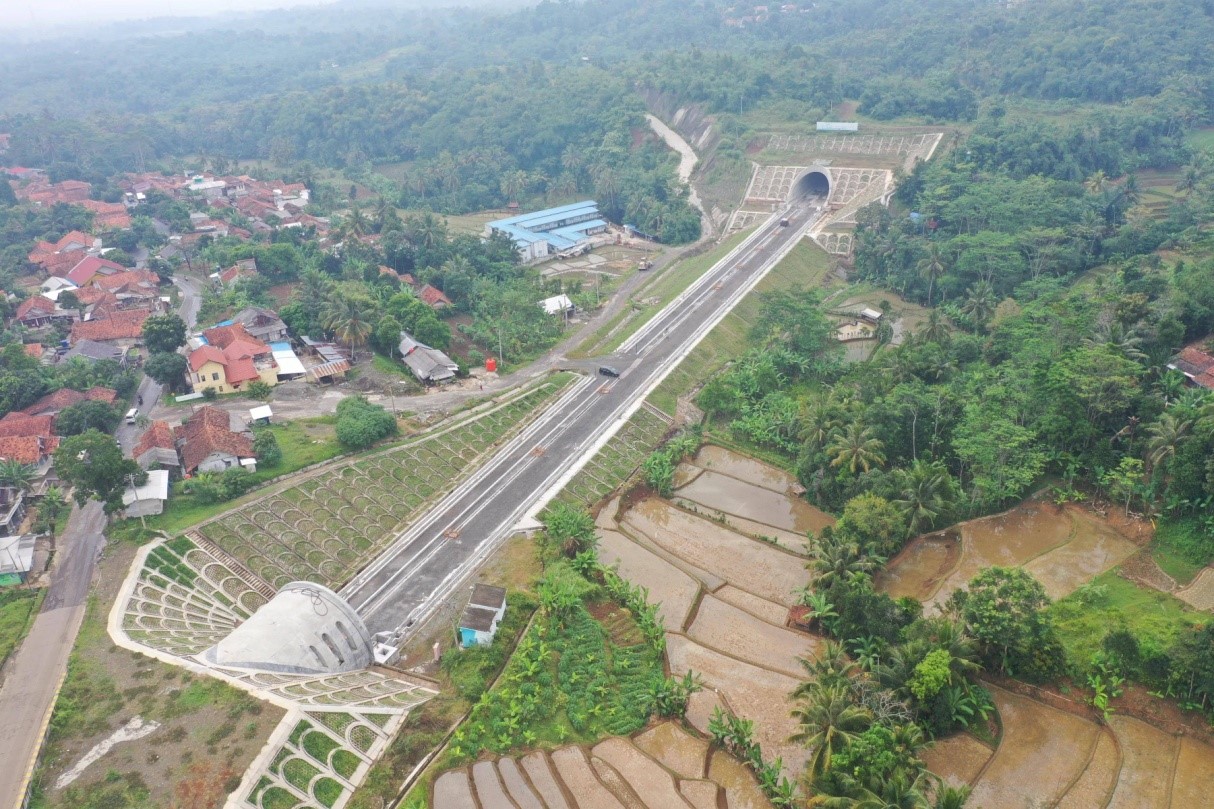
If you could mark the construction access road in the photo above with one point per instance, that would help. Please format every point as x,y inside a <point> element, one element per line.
<point>436,555</point>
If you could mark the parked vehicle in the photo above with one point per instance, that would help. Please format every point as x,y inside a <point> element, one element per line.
<point>607,370</point>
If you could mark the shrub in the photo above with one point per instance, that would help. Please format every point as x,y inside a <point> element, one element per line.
<point>265,447</point>
<point>259,390</point>
<point>360,423</point>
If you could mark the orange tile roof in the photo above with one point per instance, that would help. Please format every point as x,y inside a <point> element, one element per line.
<point>27,449</point>
<point>37,306</point>
<point>19,424</point>
<point>126,325</point>
<point>208,431</point>
<point>66,397</point>
<point>433,296</point>
<point>204,354</point>
<point>158,435</point>
<point>33,350</point>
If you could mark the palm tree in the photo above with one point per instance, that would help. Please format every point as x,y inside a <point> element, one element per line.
<point>932,268</point>
<point>426,230</point>
<point>1167,435</point>
<point>936,329</point>
<point>979,304</point>
<point>50,507</point>
<point>828,721</point>
<point>16,475</point>
<point>818,422</point>
<point>924,495</point>
<point>355,224</point>
<point>949,797</point>
<point>1096,184</point>
<point>513,183</point>
<point>348,317</point>
<point>830,669</point>
<point>1113,334</point>
<point>835,559</point>
<point>855,448</point>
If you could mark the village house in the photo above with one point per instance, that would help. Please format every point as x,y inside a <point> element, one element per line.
<point>93,351</point>
<point>261,324</point>
<point>107,215</point>
<point>433,297</point>
<point>486,608</point>
<point>245,268</point>
<point>1196,362</point>
<point>52,403</point>
<point>12,510</point>
<point>89,267</point>
<point>428,364</point>
<point>31,450</point>
<point>39,312</point>
<point>157,449</point>
<point>230,358</point>
<point>207,442</point>
<point>123,328</point>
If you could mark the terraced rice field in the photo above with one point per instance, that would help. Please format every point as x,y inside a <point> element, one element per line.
<point>1063,547</point>
<point>723,594</point>
<point>1048,757</point>
<point>665,767</point>
<point>328,526</point>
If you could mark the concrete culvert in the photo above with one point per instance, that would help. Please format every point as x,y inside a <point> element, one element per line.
<point>814,183</point>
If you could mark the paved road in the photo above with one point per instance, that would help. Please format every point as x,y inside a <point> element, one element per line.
<point>36,669</point>
<point>191,299</point>
<point>426,563</point>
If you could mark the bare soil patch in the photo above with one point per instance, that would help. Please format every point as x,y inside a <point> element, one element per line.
<point>751,692</point>
<point>918,570</point>
<point>957,759</point>
<point>727,628</point>
<point>735,497</point>
<point>1199,593</point>
<point>754,566</point>
<point>1193,783</point>
<point>208,730</point>
<point>1042,752</point>
<point>1148,756</point>
<point>761,608</point>
<point>1094,547</point>
<point>670,588</point>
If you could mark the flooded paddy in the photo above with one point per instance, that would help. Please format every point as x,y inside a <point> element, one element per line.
<point>1048,757</point>
<point>746,469</point>
<point>957,759</point>
<point>1063,547</point>
<point>1042,752</point>
<point>662,768</point>
<point>725,627</point>
<point>669,587</point>
<point>754,566</point>
<point>730,496</point>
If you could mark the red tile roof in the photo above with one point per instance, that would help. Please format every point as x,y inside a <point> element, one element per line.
<point>60,264</point>
<point>107,215</point>
<point>66,397</point>
<point>27,449</point>
<point>159,435</point>
<point>127,325</point>
<point>208,431</point>
<point>89,266</point>
<point>434,297</point>
<point>204,354</point>
<point>74,237</point>
<point>224,336</point>
<point>131,282</point>
<point>35,307</point>
<point>19,424</point>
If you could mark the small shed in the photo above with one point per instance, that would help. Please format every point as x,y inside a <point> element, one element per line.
<point>260,415</point>
<point>481,617</point>
<point>871,315</point>
<point>16,559</point>
<point>557,305</point>
<point>149,499</point>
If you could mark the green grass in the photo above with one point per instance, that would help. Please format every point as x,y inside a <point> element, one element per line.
<point>805,266</point>
<point>1202,138</point>
<point>1109,602</point>
<point>1182,548</point>
<point>665,287</point>
<point>18,608</point>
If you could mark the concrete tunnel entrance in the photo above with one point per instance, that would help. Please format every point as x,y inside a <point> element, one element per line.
<point>813,183</point>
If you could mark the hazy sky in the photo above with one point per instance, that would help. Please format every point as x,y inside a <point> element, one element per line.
<point>24,14</point>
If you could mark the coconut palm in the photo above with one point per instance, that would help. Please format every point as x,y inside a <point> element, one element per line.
<point>834,559</point>
<point>827,721</point>
<point>50,507</point>
<point>1113,334</point>
<point>855,448</point>
<point>931,267</point>
<point>830,669</point>
<point>355,224</point>
<point>949,797</point>
<point>925,493</point>
<point>936,329</point>
<point>1166,436</point>
<point>1097,183</point>
<point>348,317</point>
<point>425,230</point>
<point>979,303</point>
<point>818,422</point>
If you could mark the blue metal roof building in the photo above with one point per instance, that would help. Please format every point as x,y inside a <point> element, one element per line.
<point>540,233</point>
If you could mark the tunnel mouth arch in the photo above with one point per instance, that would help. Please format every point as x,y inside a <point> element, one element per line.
<point>815,182</point>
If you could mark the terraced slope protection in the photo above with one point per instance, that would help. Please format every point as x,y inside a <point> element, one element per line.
<point>665,767</point>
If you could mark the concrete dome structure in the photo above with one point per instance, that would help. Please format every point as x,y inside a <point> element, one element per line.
<point>305,629</point>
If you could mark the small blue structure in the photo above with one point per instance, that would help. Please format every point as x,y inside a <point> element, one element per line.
<point>553,230</point>
<point>481,617</point>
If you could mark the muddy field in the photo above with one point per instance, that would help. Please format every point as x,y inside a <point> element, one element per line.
<point>1199,593</point>
<point>664,767</point>
<point>1063,547</point>
<point>1049,757</point>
